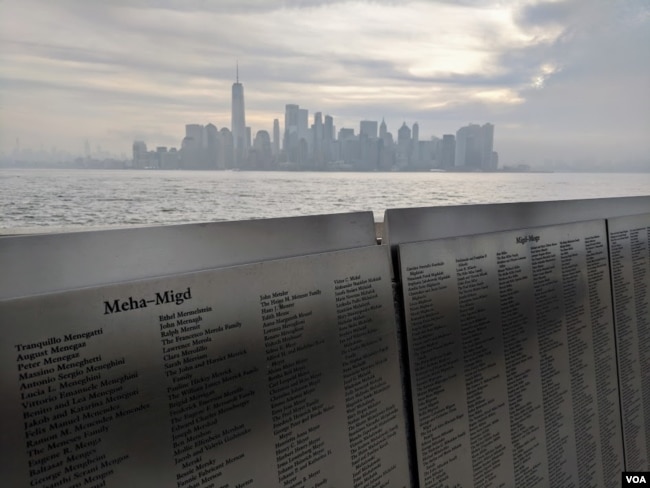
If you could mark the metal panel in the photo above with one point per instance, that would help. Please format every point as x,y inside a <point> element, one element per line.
<point>512,355</point>
<point>282,373</point>
<point>421,224</point>
<point>630,267</point>
<point>45,263</point>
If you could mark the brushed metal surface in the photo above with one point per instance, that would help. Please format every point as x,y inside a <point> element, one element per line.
<point>281,373</point>
<point>421,224</point>
<point>45,263</point>
<point>512,357</point>
<point>630,269</point>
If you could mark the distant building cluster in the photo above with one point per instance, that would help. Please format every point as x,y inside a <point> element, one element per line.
<point>301,146</point>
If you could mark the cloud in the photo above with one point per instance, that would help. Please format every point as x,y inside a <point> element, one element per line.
<point>537,69</point>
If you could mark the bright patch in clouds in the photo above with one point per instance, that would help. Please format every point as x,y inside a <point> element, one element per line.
<point>503,95</point>
<point>545,72</point>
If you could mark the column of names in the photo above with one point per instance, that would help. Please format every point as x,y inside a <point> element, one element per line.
<point>71,399</point>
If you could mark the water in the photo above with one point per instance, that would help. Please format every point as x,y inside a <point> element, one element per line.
<point>94,198</point>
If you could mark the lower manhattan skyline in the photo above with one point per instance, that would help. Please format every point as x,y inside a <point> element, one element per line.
<point>560,80</point>
<point>319,146</point>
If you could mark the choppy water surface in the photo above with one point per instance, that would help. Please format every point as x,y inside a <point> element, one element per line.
<point>67,198</point>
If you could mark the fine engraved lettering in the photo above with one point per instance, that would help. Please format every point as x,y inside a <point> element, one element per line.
<point>525,239</point>
<point>160,298</point>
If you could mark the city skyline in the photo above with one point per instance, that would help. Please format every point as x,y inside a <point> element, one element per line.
<point>319,146</point>
<point>560,79</point>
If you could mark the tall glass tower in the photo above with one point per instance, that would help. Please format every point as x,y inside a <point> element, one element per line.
<point>238,121</point>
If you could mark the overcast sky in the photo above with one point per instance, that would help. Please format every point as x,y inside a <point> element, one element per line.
<point>559,79</point>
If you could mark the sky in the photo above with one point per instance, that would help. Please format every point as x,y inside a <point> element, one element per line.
<point>560,79</point>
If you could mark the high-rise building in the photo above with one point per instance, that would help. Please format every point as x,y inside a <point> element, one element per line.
<point>238,120</point>
<point>318,138</point>
<point>369,128</point>
<point>487,146</point>
<point>415,144</point>
<point>403,146</point>
<point>226,149</point>
<point>291,139</point>
<point>383,130</point>
<point>448,151</point>
<point>261,153</point>
<point>345,134</point>
<point>140,155</point>
<point>192,147</point>
<point>303,134</point>
<point>212,147</point>
<point>474,147</point>
<point>276,137</point>
<point>328,139</point>
<point>468,144</point>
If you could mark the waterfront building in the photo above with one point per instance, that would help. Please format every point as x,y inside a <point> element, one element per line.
<point>328,139</point>
<point>415,146</point>
<point>369,128</point>
<point>291,139</point>
<point>226,149</point>
<point>317,136</point>
<point>261,154</point>
<point>487,147</point>
<point>468,147</point>
<point>238,120</point>
<point>303,124</point>
<point>140,156</point>
<point>345,134</point>
<point>276,138</point>
<point>212,147</point>
<point>448,151</point>
<point>474,146</point>
<point>192,154</point>
<point>403,146</point>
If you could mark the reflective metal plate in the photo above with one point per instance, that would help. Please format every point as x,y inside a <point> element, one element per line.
<point>421,224</point>
<point>54,262</point>
<point>282,373</point>
<point>630,268</point>
<point>512,355</point>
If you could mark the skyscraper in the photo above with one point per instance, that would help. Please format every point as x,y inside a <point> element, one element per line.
<point>369,128</point>
<point>415,144</point>
<point>382,129</point>
<point>448,156</point>
<point>291,139</point>
<point>487,146</point>
<point>303,132</point>
<point>318,138</point>
<point>238,120</point>
<point>276,137</point>
<point>404,146</point>
<point>474,145</point>
<point>328,138</point>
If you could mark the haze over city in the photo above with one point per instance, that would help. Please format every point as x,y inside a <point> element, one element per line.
<point>560,80</point>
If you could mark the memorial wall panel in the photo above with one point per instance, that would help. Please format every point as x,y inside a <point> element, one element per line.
<point>54,262</point>
<point>512,358</point>
<point>629,239</point>
<point>420,224</point>
<point>282,373</point>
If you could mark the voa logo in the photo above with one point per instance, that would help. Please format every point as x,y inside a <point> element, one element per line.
<point>634,479</point>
